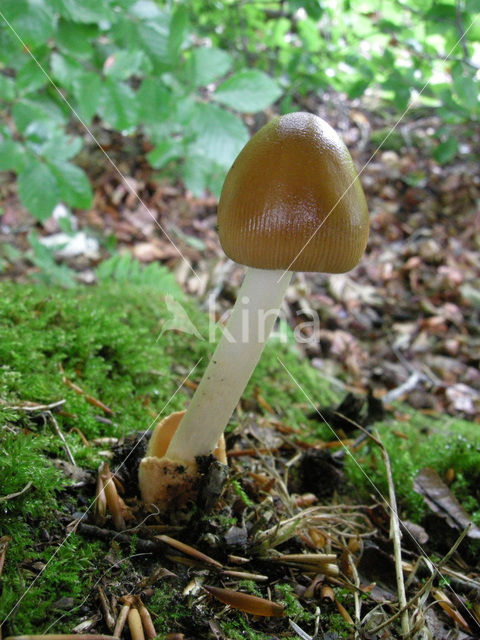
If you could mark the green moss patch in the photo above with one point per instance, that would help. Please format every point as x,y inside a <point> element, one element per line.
<point>415,442</point>
<point>110,342</point>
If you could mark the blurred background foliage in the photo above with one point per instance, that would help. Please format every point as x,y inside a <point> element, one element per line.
<point>182,75</point>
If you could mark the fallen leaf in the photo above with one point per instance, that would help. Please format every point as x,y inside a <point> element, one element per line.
<point>441,500</point>
<point>245,602</point>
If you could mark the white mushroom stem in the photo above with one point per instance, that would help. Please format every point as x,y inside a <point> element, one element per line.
<point>240,347</point>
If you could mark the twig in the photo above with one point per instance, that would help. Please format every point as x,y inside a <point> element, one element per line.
<point>356,594</point>
<point>57,431</point>
<point>33,407</point>
<point>396,535</point>
<point>18,493</point>
<point>299,631</point>
<point>404,388</point>
<point>109,619</point>
<point>64,636</point>
<point>425,587</point>
<point>90,399</point>
<point>4,540</point>
<point>145,546</point>
<point>123,615</point>
<point>146,618</point>
<point>245,575</point>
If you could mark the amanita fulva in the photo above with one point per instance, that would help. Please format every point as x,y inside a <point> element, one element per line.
<point>292,201</point>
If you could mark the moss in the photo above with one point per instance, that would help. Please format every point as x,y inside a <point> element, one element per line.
<point>47,589</point>
<point>108,341</point>
<point>237,628</point>
<point>251,587</point>
<point>167,609</point>
<point>24,468</point>
<point>419,441</point>
<point>293,608</point>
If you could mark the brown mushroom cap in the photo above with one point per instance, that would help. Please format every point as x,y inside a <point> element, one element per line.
<point>292,200</point>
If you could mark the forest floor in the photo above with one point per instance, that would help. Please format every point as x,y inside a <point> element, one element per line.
<point>410,308</point>
<point>404,326</point>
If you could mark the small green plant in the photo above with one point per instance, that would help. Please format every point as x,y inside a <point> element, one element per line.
<point>125,269</point>
<point>137,67</point>
<point>423,53</point>
<point>293,608</point>
<point>240,491</point>
<point>49,271</point>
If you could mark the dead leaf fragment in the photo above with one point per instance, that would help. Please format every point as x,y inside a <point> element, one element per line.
<point>441,500</point>
<point>447,605</point>
<point>245,602</point>
<point>190,551</point>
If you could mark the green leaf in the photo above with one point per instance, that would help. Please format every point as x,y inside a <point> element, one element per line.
<point>177,32</point>
<point>38,190</point>
<point>7,89</point>
<point>446,151</point>
<point>123,64</point>
<point>145,10</point>
<point>124,268</point>
<point>220,135</point>
<point>248,91</point>
<point>196,173</point>
<point>441,11</point>
<point>311,38</point>
<point>471,5</point>
<point>45,139</point>
<point>65,69</point>
<point>11,52</point>
<point>400,87</point>
<point>74,186</point>
<point>51,272</point>
<point>30,77</point>
<point>14,9</point>
<point>118,105</point>
<point>26,112</point>
<point>358,88</point>
<point>207,65</point>
<point>154,101</point>
<point>314,8</point>
<point>86,89</point>
<point>74,39</point>
<point>466,87</point>
<point>192,241</point>
<point>154,39</point>
<point>12,156</point>
<point>163,153</point>
<point>34,20</point>
<point>86,11</point>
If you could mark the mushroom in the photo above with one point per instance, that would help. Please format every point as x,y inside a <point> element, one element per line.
<point>292,201</point>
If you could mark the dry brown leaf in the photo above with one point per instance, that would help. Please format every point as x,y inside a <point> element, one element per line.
<point>245,602</point>
<point>190,551</point>
<point>446,604</point>
<point>441,500</point>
